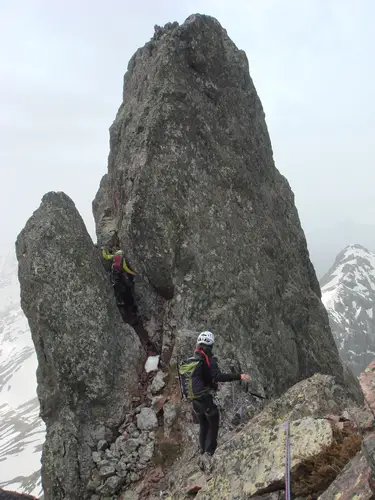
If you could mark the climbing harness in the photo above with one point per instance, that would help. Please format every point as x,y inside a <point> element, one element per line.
<point>287,461</point>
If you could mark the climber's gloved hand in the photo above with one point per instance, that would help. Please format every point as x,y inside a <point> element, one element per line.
<point>245,377</point>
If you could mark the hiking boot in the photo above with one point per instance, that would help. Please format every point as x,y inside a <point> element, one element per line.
<point>205,463</point>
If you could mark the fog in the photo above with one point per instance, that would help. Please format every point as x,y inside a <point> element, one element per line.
<point>312,63</point>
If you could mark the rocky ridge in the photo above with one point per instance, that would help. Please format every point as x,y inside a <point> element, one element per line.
<point>195,200</point>
<point>348,293</point>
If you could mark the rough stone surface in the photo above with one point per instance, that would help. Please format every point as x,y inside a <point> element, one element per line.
<point>367,381</point>
<point>351,483</point>
<point>158,382</point>
<point>102,445</point>
<point>317,396</point>
<point>170,414</point>
<point>254,460</point>
<point>87,357</point>
<point>147,419</point>
<point>127,459</point>
<point>111,485</point>
<point>146,452</point>
<point>244,455</point>
<point>368,450</point>
<point>207,220</point>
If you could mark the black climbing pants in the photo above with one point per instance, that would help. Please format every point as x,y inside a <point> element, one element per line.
<point>124,291</point>
<point>208,416</point>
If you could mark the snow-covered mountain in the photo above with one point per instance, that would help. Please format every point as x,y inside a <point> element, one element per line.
<point>21,429</point>
<point>348,293</point>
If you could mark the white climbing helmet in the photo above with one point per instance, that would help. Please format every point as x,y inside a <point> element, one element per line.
<point>206,338</point>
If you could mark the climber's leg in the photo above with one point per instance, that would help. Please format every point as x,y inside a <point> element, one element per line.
<point>199,408</point>
<point>213,418</point>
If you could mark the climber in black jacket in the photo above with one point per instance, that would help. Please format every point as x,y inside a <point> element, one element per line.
<point>205,380</point>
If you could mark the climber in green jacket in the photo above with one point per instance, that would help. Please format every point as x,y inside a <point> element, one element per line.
<point>122,278</point>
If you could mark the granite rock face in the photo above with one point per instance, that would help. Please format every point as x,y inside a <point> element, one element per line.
<point>205,217</point>
<point>88,358</point>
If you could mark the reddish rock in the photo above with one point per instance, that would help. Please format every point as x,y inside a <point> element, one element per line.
<point>353,482</point>
<point>196,483</point>
<point>155,475</point>
<point>341,422</point>
<point>367,382</point>
<point>148,487</point>
<point>158,403</point>
<point>362,418</point>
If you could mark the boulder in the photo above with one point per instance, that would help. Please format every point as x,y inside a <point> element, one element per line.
<point>87,357</point>
<point>317,396</point>
<point>352,482</point>
<point>102,445</point>
<point>146,452</point>
<point>170,414</point>
<point>147,419</point>
<point>158,382</point>
<point>196,483</point>
<point>253,461</point>
<point>207,220</point>
<point>111,485</point>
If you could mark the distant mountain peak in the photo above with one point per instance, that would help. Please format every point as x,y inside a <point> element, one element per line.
<point>21,429</point>
<point>348,293</point>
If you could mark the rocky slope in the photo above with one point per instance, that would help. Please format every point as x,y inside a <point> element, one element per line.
<point>348,293</point>
<point>21,429</point>
<point>210,226</point>
<point>250,463</point>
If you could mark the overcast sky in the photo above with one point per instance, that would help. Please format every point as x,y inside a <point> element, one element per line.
<point>312,61</point>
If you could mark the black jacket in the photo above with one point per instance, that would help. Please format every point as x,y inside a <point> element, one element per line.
<point>209,374</point>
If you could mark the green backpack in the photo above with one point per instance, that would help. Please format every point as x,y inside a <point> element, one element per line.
<point>186,370</point>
